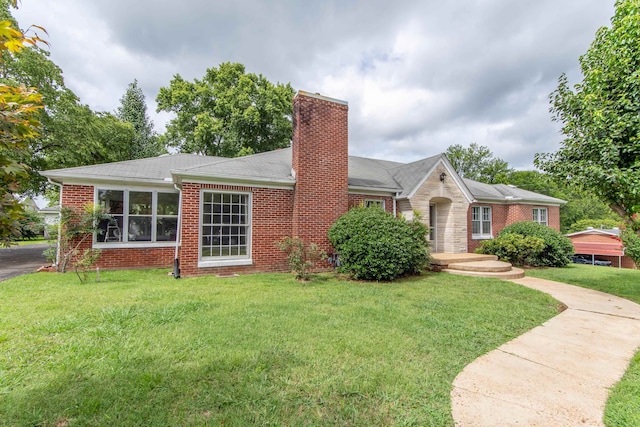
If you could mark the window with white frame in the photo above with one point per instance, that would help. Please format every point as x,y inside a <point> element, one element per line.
<point>540,216</point>
<point>225,226</point>
<point>481,222</point>
<point>137,216</point>
<point>374,203</point>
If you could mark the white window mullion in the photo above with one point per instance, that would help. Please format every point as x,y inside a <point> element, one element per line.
<point>154,209</point>
<point>125,216</point>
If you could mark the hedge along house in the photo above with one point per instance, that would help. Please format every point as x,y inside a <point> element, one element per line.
<point>222,216</point>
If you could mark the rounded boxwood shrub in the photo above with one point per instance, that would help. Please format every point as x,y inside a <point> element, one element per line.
<point>375,245</point>
<point>556,251</point>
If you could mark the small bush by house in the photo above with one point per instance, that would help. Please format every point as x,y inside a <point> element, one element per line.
<point>375,245</point>
<point>530,243</point>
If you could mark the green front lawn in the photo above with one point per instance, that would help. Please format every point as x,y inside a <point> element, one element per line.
<point>30,242</point>
<point>623,406</point>
<point>141,348</point>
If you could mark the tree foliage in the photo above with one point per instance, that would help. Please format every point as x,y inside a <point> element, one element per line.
<point>476,162</point>
<point>133,110</point>
<point>19,108</point>
<point>601,117</point>
<point>76,227</point>
<point>71,134</point>
<point>581,205</point>
<point>226,111</point>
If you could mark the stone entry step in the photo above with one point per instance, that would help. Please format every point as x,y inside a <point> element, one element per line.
<point>442,260</point>
<point>486,266</point>
<point>514,273</point>
<point>475,265</point>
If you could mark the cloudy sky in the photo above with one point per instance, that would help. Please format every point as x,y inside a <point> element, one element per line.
<point>419,76</point>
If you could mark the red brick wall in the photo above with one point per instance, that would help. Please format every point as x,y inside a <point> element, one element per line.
<point>503,215</point>
<point>76,197</point>
<point>358,200</point>
<point>320,161</point>
<point>270,221</point>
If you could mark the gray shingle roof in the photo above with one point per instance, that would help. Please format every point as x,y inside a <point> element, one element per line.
<point>409,175</point>
<point>153,169</point>
<point>275,167</point>
<point>373,173</point>
<point>503,193</point>
<point>270,166</point>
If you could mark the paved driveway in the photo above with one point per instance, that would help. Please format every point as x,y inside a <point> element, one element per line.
<point>18,260</point>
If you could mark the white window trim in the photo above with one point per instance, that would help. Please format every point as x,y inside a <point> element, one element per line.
<point>233,260</point>
<point>482,236</point>
<point>375,202</point>
<point>125,217</point>
<point>536,216</point>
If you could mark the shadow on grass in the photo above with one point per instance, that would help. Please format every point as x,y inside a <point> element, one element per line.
<point>261,390</point>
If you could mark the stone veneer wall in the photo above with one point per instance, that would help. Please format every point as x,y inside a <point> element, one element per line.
<point>452,207</point>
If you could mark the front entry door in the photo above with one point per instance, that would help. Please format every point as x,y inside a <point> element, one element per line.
<point>433,231</point>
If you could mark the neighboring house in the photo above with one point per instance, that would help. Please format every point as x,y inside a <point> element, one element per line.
<point>222,215</point>
<point>602,244</point>
<point>51,215</point>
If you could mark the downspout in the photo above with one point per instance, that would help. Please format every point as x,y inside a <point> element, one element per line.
<point>59,219</point>
<point>176,260</point>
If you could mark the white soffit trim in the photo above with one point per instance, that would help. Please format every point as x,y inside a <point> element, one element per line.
<point>241,182</point>
<point>372,191</point>
<point>93,181</point>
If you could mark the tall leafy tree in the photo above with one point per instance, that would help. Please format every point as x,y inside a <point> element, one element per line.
<point>227,113</point>
<point>601,117</point>
<point>19,107</point>
<point>476,162</point>
<point>71,134</point>
<point>133,110</point>
<point>581,205</point>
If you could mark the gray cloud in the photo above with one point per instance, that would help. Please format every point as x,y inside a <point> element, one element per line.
<point>419,76</point>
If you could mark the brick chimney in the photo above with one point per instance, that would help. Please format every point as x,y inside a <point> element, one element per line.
<point>320,164</point>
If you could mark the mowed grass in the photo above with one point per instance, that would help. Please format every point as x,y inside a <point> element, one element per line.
<point>623,406</point>
<point>141,348</point>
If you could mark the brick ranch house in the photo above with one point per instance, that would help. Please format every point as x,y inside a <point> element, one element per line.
<point>222,216</point>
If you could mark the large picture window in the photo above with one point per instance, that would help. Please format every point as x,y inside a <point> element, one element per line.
<point>540,216</point>
<point>225,230</point>
<point>138,216</point>
<point>481,222</point>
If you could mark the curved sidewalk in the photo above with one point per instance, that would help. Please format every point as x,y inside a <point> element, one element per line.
<point>558,374</point>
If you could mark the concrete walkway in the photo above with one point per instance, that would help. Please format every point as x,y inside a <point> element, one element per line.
<point>558,374</point>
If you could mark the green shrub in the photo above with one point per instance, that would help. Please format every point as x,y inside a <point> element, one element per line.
<point>556,252</point>
<point>301,257</point>
<point>514,248</point>
<point>375,245</point>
